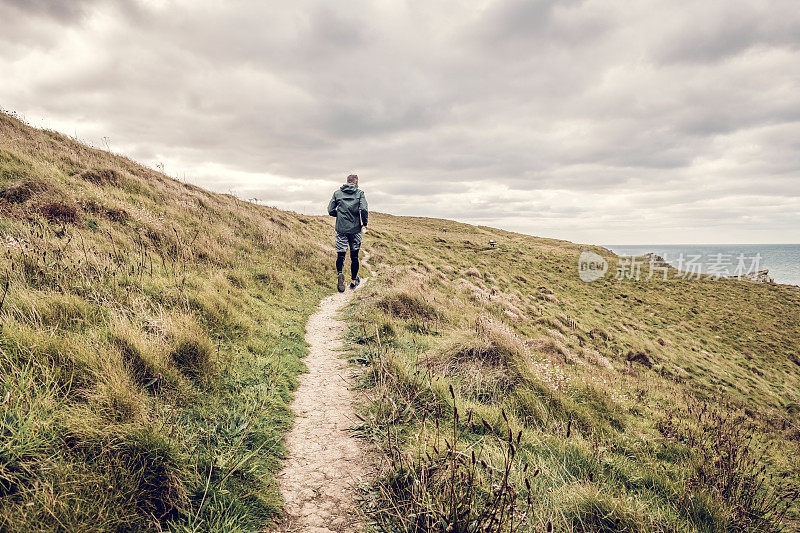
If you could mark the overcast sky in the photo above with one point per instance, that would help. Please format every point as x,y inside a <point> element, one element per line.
<point>597,121</point>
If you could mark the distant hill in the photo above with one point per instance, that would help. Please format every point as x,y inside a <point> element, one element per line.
<point>152,332</point>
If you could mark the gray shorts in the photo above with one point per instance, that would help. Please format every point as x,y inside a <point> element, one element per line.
<point>344,241</point>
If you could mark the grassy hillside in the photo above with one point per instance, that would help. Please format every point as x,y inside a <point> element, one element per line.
<point>151,335</point>
<point>508,393</point>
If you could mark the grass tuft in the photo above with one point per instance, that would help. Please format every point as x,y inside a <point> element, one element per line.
<point>60,211</point>
<point>21,191</point>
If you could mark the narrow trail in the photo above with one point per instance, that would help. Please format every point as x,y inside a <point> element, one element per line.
<point>325,462</point>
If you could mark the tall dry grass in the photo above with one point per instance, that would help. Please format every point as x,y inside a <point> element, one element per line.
<point>151,334</point>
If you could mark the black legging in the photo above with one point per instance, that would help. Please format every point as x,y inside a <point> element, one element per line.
<point>353,262</point>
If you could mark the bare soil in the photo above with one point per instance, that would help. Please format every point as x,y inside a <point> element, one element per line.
<point>325,461</point>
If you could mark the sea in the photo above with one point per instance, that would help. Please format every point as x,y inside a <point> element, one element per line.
<point>782,260</point>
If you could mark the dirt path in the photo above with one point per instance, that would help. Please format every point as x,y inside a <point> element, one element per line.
<point>325,461</point>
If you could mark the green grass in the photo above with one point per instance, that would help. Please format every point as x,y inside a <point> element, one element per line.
<point>643,406</point>
<point>152,332</point>
<point>151,337</point>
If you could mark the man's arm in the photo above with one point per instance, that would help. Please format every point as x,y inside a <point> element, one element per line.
<point>332,206</point>
<point>362,206</point>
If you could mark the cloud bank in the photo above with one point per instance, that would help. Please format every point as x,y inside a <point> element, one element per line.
<point>598,121</point>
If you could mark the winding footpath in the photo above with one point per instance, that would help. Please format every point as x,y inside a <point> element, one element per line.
<point>325,462</point>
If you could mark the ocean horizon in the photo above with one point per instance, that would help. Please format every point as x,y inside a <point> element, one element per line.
<point>781,260</point>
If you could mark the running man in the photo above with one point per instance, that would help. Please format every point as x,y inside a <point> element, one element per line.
<point>349,206</point>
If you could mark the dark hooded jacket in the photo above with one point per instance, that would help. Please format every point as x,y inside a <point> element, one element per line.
<point>349,206</point>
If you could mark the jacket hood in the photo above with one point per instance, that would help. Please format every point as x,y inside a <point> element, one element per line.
<point>349,187</point>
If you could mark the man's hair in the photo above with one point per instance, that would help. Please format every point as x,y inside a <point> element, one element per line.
<point>352,178</point>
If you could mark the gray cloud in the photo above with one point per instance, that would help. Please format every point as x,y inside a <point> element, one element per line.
<point>67,12</point>
<point>716,30</point>
<point>573,119</point>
